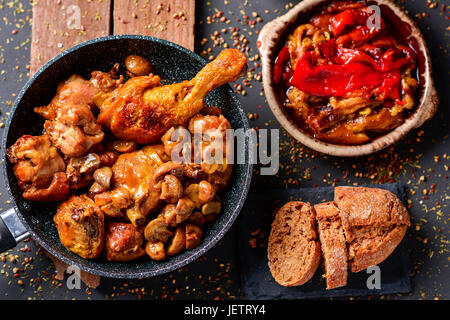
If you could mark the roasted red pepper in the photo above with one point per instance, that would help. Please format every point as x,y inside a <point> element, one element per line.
<point>345,70</point>
<point>350,17</point>
<point>363,67</point>
<point>354,27</point>
<point>280,65</point>
<point>356,71</point>
<point>332,79</point>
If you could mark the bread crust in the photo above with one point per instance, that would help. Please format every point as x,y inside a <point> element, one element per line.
<point>362,256</point>
<point>293,250</point>
<point>333,244</point>
<point>374,221</point>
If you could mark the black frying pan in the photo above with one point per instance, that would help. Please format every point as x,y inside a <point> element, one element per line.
<point>171,62</point>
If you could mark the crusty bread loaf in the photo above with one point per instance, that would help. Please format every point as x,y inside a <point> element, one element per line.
<point>361,228</point>
<point>332,241</point>
<point>293,250</point>
<point>374,222</point>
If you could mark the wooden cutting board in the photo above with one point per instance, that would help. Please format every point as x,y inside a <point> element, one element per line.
<point>61,24</point>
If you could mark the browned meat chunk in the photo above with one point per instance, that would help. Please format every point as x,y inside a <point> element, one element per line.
<point>80,225</point>
<point>39,168</point>
<point>133,177</point>
<point>71,125</point>
<point>123,242</point>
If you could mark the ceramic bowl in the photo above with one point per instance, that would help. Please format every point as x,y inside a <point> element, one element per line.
<point>271,39</point>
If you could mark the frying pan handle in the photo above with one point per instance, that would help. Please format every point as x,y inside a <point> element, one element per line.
<point>12,230</point>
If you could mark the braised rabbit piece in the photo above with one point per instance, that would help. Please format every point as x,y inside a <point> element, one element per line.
<point>39,169</point>
<point>124,193</point>
<point>142,110</point>
<point>70,124</point>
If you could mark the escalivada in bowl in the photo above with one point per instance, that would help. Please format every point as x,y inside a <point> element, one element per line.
<point>347,78</point>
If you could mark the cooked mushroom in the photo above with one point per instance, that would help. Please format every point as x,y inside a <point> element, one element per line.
<point>184,209</point>
<point>177,243</point>
<point>192,192</point>
<point>87,163</point>
<point>206,191</point>
<point>172,168</point>
<point>103,176</point>
<point>172,138</point>
<point>95,188</point>
<point>138,66</point>
<point>212,207</point>
<point>156,230</point>
<point>107,158</point>
<point>193,236</point>
<point>155,250</point>
<point>79,170</point>
<point>171,189</point>
<point>124,146</point>
<point>169,212</point>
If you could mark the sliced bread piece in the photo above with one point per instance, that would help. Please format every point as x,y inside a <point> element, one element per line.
<point>332,242</point>
<point>374,222</point>
<point>293,250</point>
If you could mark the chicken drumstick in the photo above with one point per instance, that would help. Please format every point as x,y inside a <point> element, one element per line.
<point>142,110</point>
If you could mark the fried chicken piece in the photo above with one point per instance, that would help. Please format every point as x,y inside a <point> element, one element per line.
<point>80,225</point>
<point>142,110</point>
<point>123,242</point>
<point>58,190</point>
<point>70,124</point>
<point>133,177</point>
<point>39,168</point>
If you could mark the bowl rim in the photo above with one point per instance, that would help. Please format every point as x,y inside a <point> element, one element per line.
<point>426,107</point>
<point>130,273</point>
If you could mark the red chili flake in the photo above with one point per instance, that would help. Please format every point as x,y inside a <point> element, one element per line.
<point>346,174</point>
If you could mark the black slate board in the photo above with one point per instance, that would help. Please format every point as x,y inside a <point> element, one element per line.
<point>257,282</point>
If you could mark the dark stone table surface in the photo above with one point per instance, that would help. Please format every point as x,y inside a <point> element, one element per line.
<point>421,161</point>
